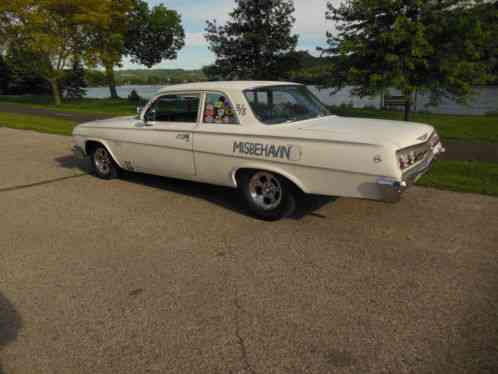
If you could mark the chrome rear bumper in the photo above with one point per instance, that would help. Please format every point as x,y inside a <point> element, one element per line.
<point>392,189</point>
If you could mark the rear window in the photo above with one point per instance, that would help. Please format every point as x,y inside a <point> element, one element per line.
<point>283,104</point>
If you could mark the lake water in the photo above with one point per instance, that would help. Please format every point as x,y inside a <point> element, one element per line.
<point>485,99</point>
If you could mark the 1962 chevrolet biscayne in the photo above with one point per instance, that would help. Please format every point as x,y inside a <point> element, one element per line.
<point>269,139</point>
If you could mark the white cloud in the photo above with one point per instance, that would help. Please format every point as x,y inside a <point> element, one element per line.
<point>195,39</point>
<point>310,16</point>
<point>203,11</point>
<point>311,26</point>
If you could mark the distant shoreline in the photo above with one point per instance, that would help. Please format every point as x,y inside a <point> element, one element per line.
<point>484,101</point>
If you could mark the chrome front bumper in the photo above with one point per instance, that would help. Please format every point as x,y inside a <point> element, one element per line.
<point>392,189</point>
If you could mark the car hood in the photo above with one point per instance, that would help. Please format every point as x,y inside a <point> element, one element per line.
<point>110,122</point>
<point>397,133</point>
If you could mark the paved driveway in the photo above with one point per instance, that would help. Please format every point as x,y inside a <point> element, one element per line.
<point>152,275</point>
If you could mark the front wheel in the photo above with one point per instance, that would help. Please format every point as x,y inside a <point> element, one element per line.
<point>269,196</point>
<point>104,165</point>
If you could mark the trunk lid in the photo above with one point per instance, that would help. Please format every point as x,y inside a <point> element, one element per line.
<point>382,132</point>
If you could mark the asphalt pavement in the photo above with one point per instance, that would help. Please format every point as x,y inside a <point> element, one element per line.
<point>152,275</point>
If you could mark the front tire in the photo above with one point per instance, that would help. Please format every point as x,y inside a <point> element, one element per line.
<point>103,163</point>
<point>269,196</point>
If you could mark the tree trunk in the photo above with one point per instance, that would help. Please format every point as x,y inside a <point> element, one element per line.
<point>109,72</point>
<point>408,106</point>
<point>56,93</point>
<point>415,97</point>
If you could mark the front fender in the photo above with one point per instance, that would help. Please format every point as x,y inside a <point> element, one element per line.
<point>106,144</point>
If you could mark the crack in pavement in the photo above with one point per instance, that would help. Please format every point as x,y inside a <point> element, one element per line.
<point>15,188</point>
<point>240,339</point>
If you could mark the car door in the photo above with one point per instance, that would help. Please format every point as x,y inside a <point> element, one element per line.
<point>163,141</point>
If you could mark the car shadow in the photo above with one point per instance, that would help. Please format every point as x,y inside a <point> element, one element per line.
<point>71,162</point>
<point>228,198</point>
<point>10,324</point>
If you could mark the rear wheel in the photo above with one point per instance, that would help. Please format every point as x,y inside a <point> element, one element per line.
<point>269,196</point>
<point>104,165</point>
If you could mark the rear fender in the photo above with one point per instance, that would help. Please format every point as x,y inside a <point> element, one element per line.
<point>271,168</point>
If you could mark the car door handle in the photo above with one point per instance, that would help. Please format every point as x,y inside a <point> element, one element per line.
<point>185,137</point>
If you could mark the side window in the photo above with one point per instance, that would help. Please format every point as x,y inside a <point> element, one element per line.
<point>175,108</point>
<point>219,109</point>
<point>260,100</point>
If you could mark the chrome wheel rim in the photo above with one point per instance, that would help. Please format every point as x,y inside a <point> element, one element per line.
<point>265,190</point>
<point>102,161</point>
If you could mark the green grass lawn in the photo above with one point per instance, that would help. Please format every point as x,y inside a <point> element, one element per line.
<point>37,123</point>
<point>463,176</point>
<point>115,107</point>
<point>465,128</point>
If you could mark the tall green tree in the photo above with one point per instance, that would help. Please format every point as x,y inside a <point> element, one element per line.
<point>256,41</point>
<point>410,45</point>
<point>74,82</point>
<point>106,39</point>
<point>5,75</point>
<point>24,72</point>
<point>487,11</point>
<point>146,35</point>
<point>53,30</point>
<point>153,34</point>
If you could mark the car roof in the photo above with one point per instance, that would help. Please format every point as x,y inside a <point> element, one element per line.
<point>224,85</point>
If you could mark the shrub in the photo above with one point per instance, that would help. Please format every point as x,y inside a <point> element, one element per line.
<point>134,97</point>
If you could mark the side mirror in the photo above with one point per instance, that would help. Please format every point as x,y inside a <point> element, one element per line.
<point>150,116</point>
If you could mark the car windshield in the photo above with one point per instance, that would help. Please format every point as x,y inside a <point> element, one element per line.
<point>283,104</point>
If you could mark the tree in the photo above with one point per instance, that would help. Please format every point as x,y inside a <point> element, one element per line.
<point>95,78</point>
<point>24,73</point>
<point>417,45</point>
<point>212,72</point>
<point>107,38</point>
<point>74,81</point>
<point>306,68</point>
<point>5,75</point>
<point>487,11</point>
<point>154,35</point>
<point>147,36</point>
<point>254,44</point>
<point>53,30</point>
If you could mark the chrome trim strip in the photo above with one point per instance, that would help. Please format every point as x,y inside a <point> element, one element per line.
<point>287,163</point>
<point>234,156</point>
<point>151,128</point>
<point>144,144</point>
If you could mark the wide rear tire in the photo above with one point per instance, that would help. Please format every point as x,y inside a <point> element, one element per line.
<point>268,196</point>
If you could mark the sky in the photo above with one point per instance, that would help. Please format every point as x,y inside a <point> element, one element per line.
<point>310,25</point>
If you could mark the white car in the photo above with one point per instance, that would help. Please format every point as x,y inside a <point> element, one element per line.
<point>269,139</point>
